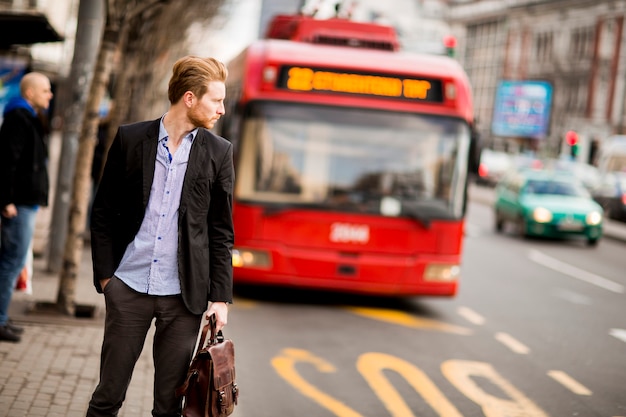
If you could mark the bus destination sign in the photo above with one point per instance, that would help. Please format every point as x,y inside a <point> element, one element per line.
<point>379,85</point>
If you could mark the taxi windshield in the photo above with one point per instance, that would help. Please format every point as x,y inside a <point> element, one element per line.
<point>553,187</point>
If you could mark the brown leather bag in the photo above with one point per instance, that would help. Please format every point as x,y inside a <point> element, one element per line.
<point>210,389</point>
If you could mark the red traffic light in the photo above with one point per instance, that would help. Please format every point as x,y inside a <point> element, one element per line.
<point>449,41</point>
<point>571,137</point>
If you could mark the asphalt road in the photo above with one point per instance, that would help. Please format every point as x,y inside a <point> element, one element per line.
<point>537,329</point>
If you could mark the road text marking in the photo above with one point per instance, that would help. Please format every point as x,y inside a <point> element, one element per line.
<point>470,315</point>
<point>376,367</point>
<point>466,377</point>
<point>513,344</point>
<point>569,383</point>
<point>574,272</point>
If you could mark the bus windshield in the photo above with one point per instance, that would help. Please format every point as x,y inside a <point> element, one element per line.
<point>353,160</point>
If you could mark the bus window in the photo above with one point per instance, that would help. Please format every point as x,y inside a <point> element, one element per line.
<point>352,160</point>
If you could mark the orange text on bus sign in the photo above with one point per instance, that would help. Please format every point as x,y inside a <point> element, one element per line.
<point>308,79</point>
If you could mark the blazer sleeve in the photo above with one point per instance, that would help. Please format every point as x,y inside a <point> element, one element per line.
<point>221,230</point>
<point>103,215</point>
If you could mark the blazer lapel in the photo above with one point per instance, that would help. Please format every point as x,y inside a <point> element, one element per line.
<point>148,159</point>
<point>197,163</point>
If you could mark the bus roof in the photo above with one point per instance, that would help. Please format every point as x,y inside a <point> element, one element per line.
<point>357,59</point>
<point>334,31</point>
<point>267,55</point>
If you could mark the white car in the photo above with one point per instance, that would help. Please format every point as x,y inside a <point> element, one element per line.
<point>493,166</point>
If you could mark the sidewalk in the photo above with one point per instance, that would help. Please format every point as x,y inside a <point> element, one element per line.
<point>52,372</point>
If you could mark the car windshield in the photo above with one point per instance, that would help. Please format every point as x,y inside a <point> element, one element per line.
<point>353,160</point>
<point>555,187</point>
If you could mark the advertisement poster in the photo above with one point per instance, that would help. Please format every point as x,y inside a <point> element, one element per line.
<point>522,109</point>
<point>11,71</point>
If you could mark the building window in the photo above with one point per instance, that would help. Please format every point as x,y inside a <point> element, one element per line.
<point>483,59</point>
<point>543,46</point>
<point>581,43</point>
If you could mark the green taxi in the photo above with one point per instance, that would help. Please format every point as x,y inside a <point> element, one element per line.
<point>547,204</point>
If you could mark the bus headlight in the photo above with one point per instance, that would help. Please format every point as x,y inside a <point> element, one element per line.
<point>594,218</point>
<point>442,272</point>
<point>251,258</point>
<point>542,215</point>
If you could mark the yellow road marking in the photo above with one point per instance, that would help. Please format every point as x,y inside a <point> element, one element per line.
<point>513,344</point>
<point>244,303</point>
<point>373,367</point>
<point>569,383</point>
<point>285,366</point>
<point>408,320</point>
<point>464,375</point>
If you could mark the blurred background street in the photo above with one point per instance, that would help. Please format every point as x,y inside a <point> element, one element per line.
<point>414,271</point>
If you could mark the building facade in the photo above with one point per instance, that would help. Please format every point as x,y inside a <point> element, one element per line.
<point>577,46</point>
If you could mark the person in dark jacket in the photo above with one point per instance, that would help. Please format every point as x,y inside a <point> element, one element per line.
<point>24,185</point>
<point>162,237</point>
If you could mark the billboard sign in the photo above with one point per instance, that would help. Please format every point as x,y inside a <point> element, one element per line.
<point>522,109</point>
<point>11,72</point>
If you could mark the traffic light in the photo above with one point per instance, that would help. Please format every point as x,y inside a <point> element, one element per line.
<point>450,43</point>
<point>571,138</point>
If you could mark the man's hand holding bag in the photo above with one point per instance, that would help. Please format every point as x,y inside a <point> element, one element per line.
<point>210,389</point>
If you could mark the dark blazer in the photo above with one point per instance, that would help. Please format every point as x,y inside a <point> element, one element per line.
<point>205,227</point>
<point>23,160</point>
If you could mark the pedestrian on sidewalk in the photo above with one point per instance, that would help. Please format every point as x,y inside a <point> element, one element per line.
<point>162,236</point>
<point>24,185</point>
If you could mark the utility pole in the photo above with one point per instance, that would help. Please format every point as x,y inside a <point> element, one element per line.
<point>87,40</point>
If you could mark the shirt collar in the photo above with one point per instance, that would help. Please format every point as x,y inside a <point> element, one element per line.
<point>163,133</point>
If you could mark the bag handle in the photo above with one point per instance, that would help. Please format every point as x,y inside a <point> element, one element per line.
<point>209,335</point>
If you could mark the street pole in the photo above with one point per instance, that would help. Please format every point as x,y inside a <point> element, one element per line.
<point>87,40</point>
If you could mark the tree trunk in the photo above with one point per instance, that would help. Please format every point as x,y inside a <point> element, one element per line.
<point>82,177</point>
<point>88,35</point>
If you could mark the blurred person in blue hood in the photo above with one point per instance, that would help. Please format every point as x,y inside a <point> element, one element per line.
<point>24,185</point>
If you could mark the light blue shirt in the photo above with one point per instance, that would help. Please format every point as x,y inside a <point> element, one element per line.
<point>150,263</point>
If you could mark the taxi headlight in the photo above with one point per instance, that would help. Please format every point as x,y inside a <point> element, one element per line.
<point>594,218</point>
<point>251,258</point>
<point>442,272</point>
<point>542,215</point>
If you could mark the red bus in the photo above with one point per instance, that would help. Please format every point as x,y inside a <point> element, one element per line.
<point>351,160</point>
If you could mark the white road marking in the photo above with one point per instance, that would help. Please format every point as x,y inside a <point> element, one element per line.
<point>619,333</point>
<point>512,343</point>
<point>470,315</point>
<point>569,383</point>
<point>572,297</point>
<point>572,271</point>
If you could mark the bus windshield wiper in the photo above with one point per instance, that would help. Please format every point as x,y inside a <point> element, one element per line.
<point>425,211</point>
<point>414,212</point>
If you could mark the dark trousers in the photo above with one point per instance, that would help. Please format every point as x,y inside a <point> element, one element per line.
<point>129,315</point>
